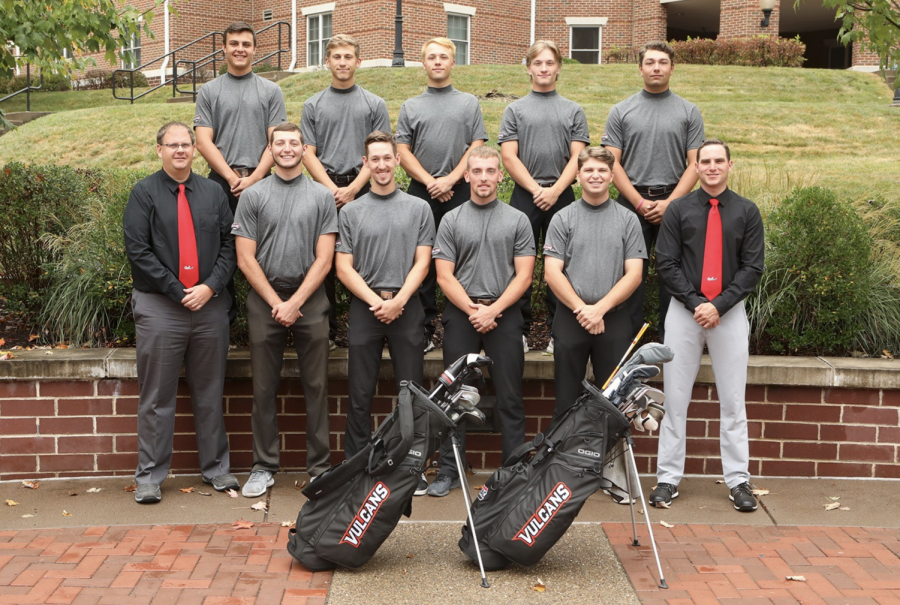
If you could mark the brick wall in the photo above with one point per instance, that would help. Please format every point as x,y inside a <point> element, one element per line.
<point>649,23</point>
<point>739,18</point>
<point>862,57</point>
<point>87,428</point>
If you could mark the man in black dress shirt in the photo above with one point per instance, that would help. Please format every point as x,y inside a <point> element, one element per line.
<point>710,252</point>
<point>178,239</point>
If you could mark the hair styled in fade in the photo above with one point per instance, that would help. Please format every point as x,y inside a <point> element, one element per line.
<point>285,127</point>
<point>380,136</point>
<point>596,153</point>
<point>236,28</point>
<point>485,153</point>
<point>710,143</point>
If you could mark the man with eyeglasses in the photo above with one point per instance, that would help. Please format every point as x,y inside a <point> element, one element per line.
<point>177,228</point>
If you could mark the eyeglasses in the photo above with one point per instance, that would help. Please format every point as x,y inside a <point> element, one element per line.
<point>178,146</point>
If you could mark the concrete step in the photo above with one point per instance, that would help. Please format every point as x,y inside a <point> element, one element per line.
<point>26,116</point>
<point>182,99</point>
<point>277,76</point>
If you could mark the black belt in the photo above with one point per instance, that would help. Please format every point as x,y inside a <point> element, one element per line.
<point>243,171</point>
<point>284,287</point>
<point>487,302</point>
<point>655,190</point>
<point>342,179</point>
<point>546,184</point>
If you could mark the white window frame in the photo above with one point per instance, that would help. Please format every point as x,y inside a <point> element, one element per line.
<point>467,12</point>
<point>588,22</point>
<point>131,45</point>
<point>319,11</point>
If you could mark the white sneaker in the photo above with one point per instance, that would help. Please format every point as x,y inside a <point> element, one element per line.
<point>332,345</point>
<point>257,484</point>
<point>430,346</point>
<point>525,344</point>
<point>549,349</point>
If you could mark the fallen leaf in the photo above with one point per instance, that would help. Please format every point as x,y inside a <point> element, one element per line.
<point>409,556</point>
<point>62,346</point>
<point>48,353</point>
<point>759,492</point>
<point>33,337</point>
<point>663,505</point>
<point>31,484</point>
<point>2,341</point>
<point>259,506</point>
<point>12,503</point>
<point>665,524</point>
<point>27,516</point>
<point>205,493</point>
<point>6,355</point>
<point>844,508</point>
<point>640,511</point>
<point>835,498</point>
<point>299,484</point>
<point>187,490</point>
<point>66,513</point>
<point>832,506</point>
<point>241,524</point>
<point>131,488</point>
<point>287,524</point>
<point>73,493</point>
<point>539,586</point>
<point>796,578</point>
<point>94,490</point>
<point>720,482</point>
<point>885,354</point>
<point>231,493</point>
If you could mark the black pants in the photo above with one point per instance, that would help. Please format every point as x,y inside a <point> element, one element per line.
<point>367,334</point>
<point>635,303</point>
<point>574,346</point>
<point>329,284</point>
<point>232,203</point>
<point>503,345</point>
<point>540,221</point>
<point>427,293</point>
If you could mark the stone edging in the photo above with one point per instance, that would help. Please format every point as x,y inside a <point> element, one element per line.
<point>93,364</point>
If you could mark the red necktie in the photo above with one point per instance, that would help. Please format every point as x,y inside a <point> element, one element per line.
<point>188,271</point>
<point>712,254</point>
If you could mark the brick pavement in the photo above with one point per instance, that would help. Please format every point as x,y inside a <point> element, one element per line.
<point>175,564</point>
<point>744,565</point>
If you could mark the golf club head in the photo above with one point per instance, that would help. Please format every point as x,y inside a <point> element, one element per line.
<point>474,415</point>
<point>656,411</point>
<point>651,353</point>
<point>655,395</point>
<point>645,422</point>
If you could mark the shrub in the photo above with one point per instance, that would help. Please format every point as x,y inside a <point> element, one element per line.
<point>812,298</point>
<point>100,79</point>
<point>755,51</point>
<point>52,83</point>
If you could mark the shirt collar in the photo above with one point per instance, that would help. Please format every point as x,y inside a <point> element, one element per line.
<point>172,185</point>
<point>704,197</point>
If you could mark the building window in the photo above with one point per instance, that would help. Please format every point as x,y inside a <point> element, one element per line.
<point>134,46</point>
<point>318,33</point>
<point>458,32</point>
<point>586,39</point>
<point>268,15</point>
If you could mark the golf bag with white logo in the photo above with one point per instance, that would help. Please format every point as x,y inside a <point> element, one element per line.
<point>353,507</point>
<point>527,506</point>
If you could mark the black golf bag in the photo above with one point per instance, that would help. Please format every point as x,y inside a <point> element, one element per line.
<point>353,507</point>
<point>528,504</point>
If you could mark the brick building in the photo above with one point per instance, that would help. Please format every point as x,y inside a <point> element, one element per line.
<point>498,31</point>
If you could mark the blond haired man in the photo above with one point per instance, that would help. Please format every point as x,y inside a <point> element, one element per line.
<point>540,138</point>
<point>435,133</point>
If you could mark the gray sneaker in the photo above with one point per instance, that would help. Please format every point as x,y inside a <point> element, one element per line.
<point>222,482</point>
<point>442,485</point>
<point>257,484</point>
<point>147,493</point>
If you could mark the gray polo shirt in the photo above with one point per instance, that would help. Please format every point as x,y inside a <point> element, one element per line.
<point>240,110</point>
<point>382,233</point>
<point>654,131</point>
<point>336,122</point>
<point>483,242</point>
<point>544,124</point>
<point>285,218</point>
<point>439,126</point>
<point>594,242</point>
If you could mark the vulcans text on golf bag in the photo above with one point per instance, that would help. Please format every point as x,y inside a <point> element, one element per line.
<point>543,515</point>
<point>366,514</point>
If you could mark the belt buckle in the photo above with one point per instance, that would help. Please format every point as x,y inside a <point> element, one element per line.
<point>487,302</point>
<point>241,171</point>
<point>386,295</point>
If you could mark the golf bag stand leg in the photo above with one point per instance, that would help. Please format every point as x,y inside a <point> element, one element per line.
<point>464,485</point>
<point>634,542</point>
<point>662,580</point>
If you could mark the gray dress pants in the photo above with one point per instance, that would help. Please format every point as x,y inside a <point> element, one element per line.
<point>728,345</point>
<point>168,335</point>
<point>267,340</point>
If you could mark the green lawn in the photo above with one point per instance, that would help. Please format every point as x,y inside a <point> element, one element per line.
<point>84,99</point>
<point>786,126</point>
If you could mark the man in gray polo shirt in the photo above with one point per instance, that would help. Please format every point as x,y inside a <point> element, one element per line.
<point>435,133</point>
<point>383,251</point>
<point>592,261</point>
<point>335,124</point>
<point>540,138</point>
<point>654,136</point>
<point>285,231</point>
<point>235,113</point>
<point>484,252</point>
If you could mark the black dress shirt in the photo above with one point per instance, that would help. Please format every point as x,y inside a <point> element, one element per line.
<point>151,234</point>
<point>682,240</point>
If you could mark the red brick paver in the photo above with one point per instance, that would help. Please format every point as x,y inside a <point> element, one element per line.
<point>744,565</point>
<point>183,564</point>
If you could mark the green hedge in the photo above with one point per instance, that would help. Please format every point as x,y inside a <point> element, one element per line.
<point>52,83</point>
<point>755,51</point>
<point>831,284</point>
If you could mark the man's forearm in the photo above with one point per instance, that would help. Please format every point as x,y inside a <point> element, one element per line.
<point>413,166</point>
<point>562,288</point>
<point>257,279</point>
<point>624,288</point>
<point>313,280</point>
<point>317,170</point>
<point>515,290</point>
<point>685,183</point>
<point>454,292</point>
<point>216,160</point>
<point>354,282</point>
<point>414,280</point>
<point>626,189</point>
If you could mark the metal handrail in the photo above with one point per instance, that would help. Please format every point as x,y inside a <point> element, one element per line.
<point>215,56</point>
<point>28,88</point>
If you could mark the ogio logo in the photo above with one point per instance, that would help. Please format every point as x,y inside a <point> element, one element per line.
<point>415,453</point>
<point>365,515</point>
<point>559,495</point>
<point>483,493</point>
<point>589,453</point>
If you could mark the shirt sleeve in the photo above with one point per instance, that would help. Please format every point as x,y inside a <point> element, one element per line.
<point>695,133</point>
<point>308,123</point>
<point>509,129</point>
<point>404,127</point>
<point>556,239</point>
<point>277,110</point>
<point>634,239</point>
<point>330,222</point>
<point>344,241</point>
<point>751,266</point>
<point>668,260</point>
<point>381,120</point>
<point>524,245</point>
<point>426,226</point>
<point>580,130</point>
<point>612,134</point>
<point>245,216</point>
<point>478,131</point>
<point>444,244</point>
<point>203,115</point>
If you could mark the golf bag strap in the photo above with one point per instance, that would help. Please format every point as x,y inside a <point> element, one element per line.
<point>523,450</point>
<point>400,450</point>
<point>338,475</point>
